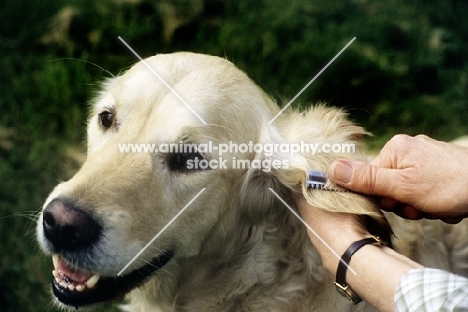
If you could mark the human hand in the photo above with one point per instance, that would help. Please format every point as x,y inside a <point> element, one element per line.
<point>333,232</point>
<point>417,177</point>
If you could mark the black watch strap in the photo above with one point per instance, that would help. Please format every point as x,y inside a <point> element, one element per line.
<point>340,282</point>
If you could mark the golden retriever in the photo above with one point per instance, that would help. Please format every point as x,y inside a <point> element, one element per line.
<point>225,242</point>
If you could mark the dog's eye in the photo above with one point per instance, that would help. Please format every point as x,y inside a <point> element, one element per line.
<point>186,162</point>
<point>106,118</point>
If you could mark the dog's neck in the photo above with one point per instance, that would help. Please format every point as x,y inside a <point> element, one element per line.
<point>242,262</point>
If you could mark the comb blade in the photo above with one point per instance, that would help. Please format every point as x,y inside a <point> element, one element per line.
<point>316,179</point>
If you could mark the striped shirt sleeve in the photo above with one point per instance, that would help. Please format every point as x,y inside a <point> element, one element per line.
<point>425,289</point>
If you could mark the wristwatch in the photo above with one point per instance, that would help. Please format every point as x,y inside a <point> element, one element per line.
<point>340,282</point>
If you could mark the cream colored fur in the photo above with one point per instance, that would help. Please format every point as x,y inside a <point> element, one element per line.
<point>237,247</point>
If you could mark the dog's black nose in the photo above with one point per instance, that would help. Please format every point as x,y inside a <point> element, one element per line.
<point>68,227</point>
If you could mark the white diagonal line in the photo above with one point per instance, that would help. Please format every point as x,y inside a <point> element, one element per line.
<point>163,229</point>
<point>162,80</point>
<point>312,231</point>
<point>310,82</point>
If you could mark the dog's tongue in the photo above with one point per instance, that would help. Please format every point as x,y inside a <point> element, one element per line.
<point>73,274</point>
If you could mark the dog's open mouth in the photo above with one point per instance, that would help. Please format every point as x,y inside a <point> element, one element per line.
<point>77,288</point>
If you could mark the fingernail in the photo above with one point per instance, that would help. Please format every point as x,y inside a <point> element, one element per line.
<point>341,172</point>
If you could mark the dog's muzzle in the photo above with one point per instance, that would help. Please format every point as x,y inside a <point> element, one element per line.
<point>70,230</point>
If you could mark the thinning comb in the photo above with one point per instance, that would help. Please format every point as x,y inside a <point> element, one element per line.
<point>318,179</point>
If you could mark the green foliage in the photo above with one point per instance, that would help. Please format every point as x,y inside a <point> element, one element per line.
<point>406,72</point>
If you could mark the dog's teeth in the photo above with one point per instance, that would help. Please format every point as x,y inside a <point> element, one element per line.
<point>55,260</point>
<point>92,281</point>
<point>71,287</point>
<point>55,273</point>
<point>58,280</point>
<point>63,284</point>
<point>80,288</point>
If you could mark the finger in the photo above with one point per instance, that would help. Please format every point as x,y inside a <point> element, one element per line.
<point>452,220</point>
<point>364,178</point>
<point>408,212</point>
<point>390,204</point>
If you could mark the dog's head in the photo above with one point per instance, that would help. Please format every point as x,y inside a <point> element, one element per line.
<point>176,153</point>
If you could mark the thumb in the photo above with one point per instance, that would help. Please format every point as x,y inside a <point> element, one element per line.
<point>361,177</point>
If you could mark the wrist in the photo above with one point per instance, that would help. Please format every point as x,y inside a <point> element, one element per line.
<point>341,282</point>
<point>333,232</point>
<point>338,245</point>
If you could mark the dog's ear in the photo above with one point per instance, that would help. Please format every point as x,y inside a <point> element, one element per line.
<point>327,127</point>
<point>257,200</point>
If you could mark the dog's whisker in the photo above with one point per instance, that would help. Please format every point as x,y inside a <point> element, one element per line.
<point>85,61</point>
<point>31,215</point>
